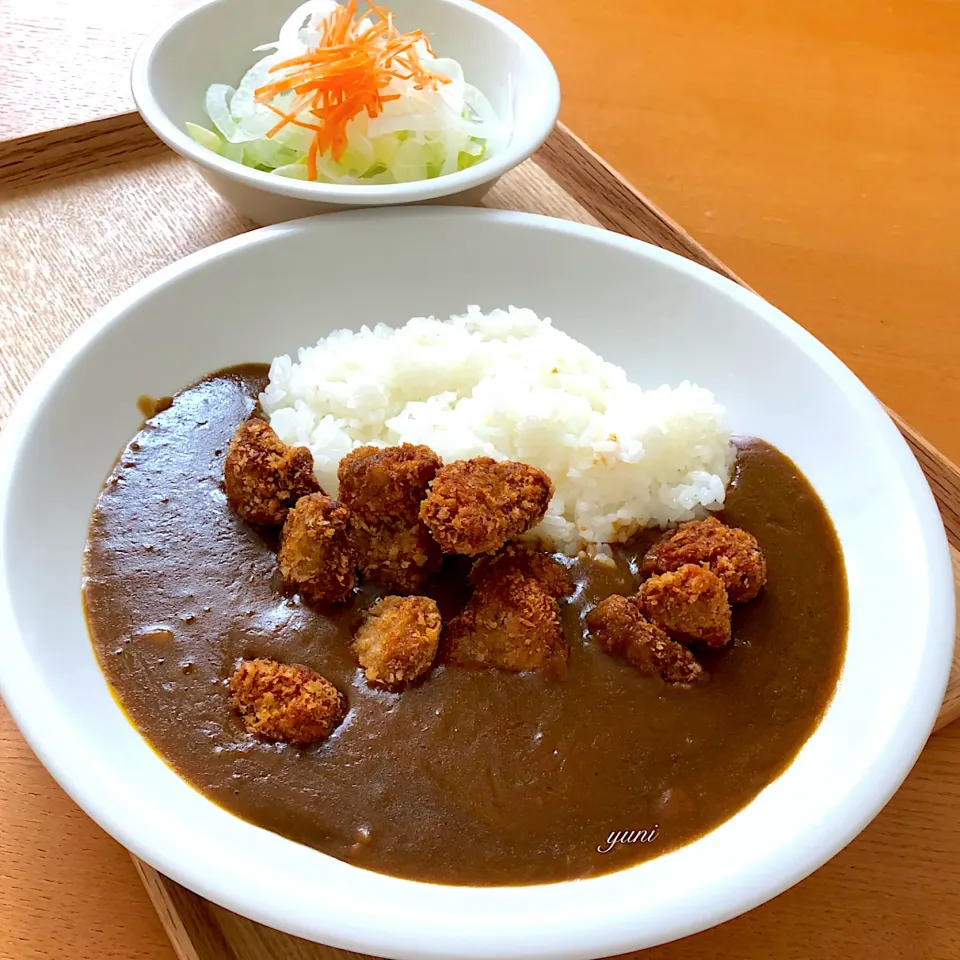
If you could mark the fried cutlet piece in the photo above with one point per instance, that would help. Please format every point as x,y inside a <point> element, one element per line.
<point>383,487</point>
<point>398,640</point>
<point>731,553</point>
<point>690,604</point>
<point>316,557</point>
<point>618,625</point>
<point>264,477</point>
<point>286,701</point>
<point>519,560</point>
<point>512,621</point>
<point>514,626</point>
<point>476,506</point>
<point>398,554</point>
<point>387,481</point>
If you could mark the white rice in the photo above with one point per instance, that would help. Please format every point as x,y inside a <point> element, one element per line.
<point>509,385</point>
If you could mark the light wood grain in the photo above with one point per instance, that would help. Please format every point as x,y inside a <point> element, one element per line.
<point>67,891</point>
<point>185,918</point>
<point>950,709</point>
<point>42,157</point>
<point>67,62</point>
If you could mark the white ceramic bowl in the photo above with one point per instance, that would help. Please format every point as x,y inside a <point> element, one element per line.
<point>213,43</point>
<point>661,317</point>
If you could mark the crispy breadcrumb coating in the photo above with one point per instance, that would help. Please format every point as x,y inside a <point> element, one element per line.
<point>476,506</point>
<point>398,640</point>
<point>387,481</point>
<point>731,553</point>
<point>512,621</point>
<point>284,701</point>
<point>316,558</point>
<point>400,555</point>
<point>690,604</point>
<point>520,560</point>
<point>383,487</point>
<point>618,625</point>
<point>264,477</point>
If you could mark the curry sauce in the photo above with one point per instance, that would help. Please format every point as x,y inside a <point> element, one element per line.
<point>471,776</point>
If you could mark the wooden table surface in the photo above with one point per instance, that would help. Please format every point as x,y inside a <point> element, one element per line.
<point>808,143</point>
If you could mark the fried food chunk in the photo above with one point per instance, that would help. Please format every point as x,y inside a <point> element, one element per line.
<point>512,621</point>
<point>513,627</point>
<point>476,506</point>
<point>383,487</point>
<point>619,626</point>
<point>731,553</point>
<point>516,560</point>
<point>690,604</point>
<point>387,481</point>
<point>264,477</point>
<point>398,554</point>
<point>398,640</point>
<point>316,557</point>
<point>286,701</point>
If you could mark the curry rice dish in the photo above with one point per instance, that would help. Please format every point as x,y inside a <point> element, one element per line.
<point>393,678</point>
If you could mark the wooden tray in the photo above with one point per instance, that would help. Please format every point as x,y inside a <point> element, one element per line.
<point>105,201</point>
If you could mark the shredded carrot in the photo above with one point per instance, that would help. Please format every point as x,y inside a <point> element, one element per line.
<point>345,75</point>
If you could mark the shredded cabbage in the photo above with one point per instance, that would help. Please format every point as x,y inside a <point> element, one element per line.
<point>420,135</point>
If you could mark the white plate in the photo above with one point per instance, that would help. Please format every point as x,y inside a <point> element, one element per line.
<point>661,317</point>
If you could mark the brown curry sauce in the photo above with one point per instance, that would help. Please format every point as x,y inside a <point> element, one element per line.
<point>469,777</point>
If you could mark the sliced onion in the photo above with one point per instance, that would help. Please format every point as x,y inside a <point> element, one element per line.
<point>480,106</point>
<point>455,143</point>
<point>294,171</point>
<point>232,151</point>
<point>441,121</point>
<point>203,136</point>
<point>497,131</point>
<point>268,153</point>
<point>254,118</point>
<point>297,138</point>
<point>218,109</point>
<point>410,164</point>
<point>451,93</point>
<point>414,122</point>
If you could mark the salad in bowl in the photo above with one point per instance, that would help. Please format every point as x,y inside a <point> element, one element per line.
<point>347,98</point>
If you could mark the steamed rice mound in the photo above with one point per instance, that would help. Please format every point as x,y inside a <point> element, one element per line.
<point>508,385</point>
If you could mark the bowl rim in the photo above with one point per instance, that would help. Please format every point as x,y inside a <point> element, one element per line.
<point>523,142</point>
<point>23,687</point>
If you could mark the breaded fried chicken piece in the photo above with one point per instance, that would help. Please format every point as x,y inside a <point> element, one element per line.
<point>619,626</point>
<point>398,640</point>
<point>264,477</point>
<point>731,553</point>
<point>316,558</point>
<point>519,560</point>
<point>383,487</point>
<point>514,626</point>
<point>393,552</point>
<point>476,506</point>
<point>512,621</point>
<point>286,702</point>
<point>387,481</point>
<point>690,604</point>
